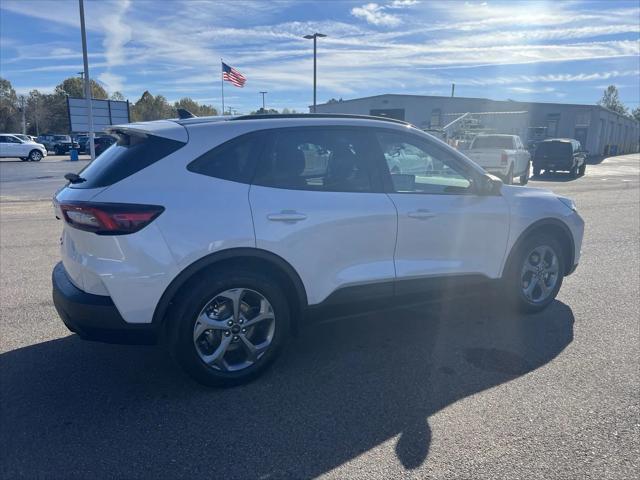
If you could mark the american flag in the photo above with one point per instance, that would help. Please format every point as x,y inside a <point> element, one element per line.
<point>232,75</point>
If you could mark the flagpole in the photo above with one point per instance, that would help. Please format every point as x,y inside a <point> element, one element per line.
<point>222,84</point>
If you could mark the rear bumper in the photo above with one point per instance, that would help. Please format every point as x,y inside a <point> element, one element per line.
<point>95,317</point>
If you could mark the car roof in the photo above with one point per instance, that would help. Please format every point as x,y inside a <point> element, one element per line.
<point>290,116</point>
<point>565,140</point>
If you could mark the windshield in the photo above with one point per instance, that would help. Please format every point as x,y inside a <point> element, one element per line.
<point>493,141</point>
<point>62,138</point>
<point>24,138</point>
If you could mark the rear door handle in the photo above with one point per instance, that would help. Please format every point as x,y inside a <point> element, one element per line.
<point>287,216</point>
<point>421,214</point>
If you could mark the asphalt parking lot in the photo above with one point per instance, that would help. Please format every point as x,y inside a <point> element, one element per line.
<point>457,390</point>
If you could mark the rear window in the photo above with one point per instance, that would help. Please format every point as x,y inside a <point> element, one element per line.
<point>130,154</point>
<point>493,142</point>
<point>554,148</point>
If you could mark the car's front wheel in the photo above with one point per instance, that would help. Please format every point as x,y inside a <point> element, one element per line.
<point>535,273</point>
<point>35,155</point>
<point>230,326</point>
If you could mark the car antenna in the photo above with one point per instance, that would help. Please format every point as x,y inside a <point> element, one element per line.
<point>184,113</point>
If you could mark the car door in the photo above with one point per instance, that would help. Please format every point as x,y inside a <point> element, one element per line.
<point>444,228</point>
<point>13,147</point>
<point>318,204</point>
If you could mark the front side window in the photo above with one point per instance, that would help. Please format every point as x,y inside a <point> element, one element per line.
<point>329,159</point>
<point>416,166</point>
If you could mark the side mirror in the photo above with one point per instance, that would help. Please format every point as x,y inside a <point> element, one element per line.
<point>488,185</point>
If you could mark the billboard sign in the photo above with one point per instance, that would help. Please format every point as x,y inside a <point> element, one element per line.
<point>105,114</point>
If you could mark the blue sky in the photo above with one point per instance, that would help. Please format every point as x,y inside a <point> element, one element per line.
<point>556,51</point>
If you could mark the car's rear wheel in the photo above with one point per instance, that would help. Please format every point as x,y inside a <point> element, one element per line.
<point>535,273</point>
<point>582,169</point>
<point>35,155</point>
<point>524,178</point>
<point>508,179</point>
<point>573,173</point>
<point>230,326</point>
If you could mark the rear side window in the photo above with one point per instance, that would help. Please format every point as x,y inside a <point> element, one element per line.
<point>130,154</point>
<point>233,160</point>
<point>330,159</point>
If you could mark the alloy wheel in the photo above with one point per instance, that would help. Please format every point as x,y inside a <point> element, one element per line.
<point>540,274</point>
<point>234,329</point>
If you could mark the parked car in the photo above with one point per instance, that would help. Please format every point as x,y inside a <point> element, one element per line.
<point>501,155</point>
<point>102,143</point>
<point>12,146</point>
<point>560,154</point>
<point>221,236</point>
<point>82,143</point>
<point>59,144</point>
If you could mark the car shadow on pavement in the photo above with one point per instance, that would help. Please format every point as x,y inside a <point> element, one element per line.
<point>79,409</point>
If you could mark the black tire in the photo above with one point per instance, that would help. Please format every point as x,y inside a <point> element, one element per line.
<point>57,151</point>
<point>582,169</point>
<point>573,173</point>
<point>513,280</point>
<point>524,178</point>
<point>508,179</point>
<point>194,299</point>
<point>536,171</point>
<point>35,155</point>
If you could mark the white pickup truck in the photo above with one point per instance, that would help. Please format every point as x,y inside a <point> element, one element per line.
<point>501,155</point>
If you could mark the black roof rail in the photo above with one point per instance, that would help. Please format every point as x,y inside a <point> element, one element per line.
<point>317,115</point>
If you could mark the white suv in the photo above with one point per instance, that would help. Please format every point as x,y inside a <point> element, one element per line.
<point>221,236</point>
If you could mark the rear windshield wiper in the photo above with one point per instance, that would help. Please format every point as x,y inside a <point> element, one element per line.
<point>74,178</point>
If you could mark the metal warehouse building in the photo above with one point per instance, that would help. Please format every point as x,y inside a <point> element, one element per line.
<point>600,131</point>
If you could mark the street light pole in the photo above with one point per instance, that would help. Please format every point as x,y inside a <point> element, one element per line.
<point>315,37</point>
<point>87,82</point>
<point>263,94</point>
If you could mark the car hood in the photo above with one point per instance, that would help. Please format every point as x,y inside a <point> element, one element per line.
<point>532,202</point>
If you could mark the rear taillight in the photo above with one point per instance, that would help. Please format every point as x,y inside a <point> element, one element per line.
<point>504,158</point>
<point>109,218</point>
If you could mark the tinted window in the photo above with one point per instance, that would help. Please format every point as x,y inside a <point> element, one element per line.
<point>130,154</point>
<point>495,141</point>
<point>322,159</point>
<point>416,166</point>
<point>62,138</point>
<point>233,160</point>
<point>554,148</point>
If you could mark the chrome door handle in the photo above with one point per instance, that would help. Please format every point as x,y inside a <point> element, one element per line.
<point>287,216</point>
<point>421,214</point>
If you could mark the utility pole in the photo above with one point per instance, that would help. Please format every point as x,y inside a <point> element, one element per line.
<point>315,37</point>
<point>87,82</point>
<point>24,120</point>
<point>453,89</point>
<point>35,113</point>
<point>263,94</point>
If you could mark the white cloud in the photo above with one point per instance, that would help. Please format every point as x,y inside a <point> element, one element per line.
<point>402,3</point>
<point>532,90</point>
<point>112,82</point>
<point>375,15</point>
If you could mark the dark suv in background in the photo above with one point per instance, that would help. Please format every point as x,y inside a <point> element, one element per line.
<point>560,154</point>
<point>59,144</point>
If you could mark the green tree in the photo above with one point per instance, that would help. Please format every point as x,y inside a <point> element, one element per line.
<point>74,87</point>
<point>611,100</point>
<point>118,96</point>
<point>149,107</point>
<point>9,113</point>
<point>195,108</point>
<point>636,113</point>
